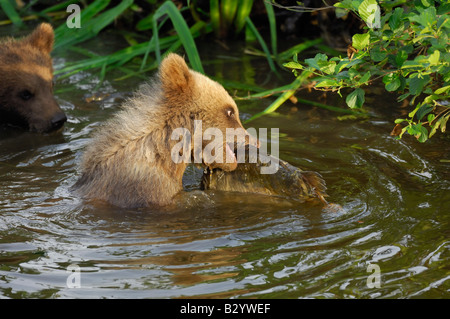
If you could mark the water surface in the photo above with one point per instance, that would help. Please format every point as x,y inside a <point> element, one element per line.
<point>394,193</point>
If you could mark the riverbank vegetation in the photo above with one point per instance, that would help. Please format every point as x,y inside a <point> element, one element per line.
<point>401,45</point>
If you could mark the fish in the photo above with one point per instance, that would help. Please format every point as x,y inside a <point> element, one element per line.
<point>287,181</point>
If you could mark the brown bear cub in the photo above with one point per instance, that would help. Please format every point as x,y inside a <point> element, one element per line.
<point>130,161</point>
<point>26,82</point>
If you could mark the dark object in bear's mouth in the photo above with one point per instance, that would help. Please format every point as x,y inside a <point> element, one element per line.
<point>288,180</point>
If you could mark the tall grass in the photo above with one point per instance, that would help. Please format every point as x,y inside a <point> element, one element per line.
<point>287,94</point>
<point>225,18</point>
<point>93,21</point>
<point>183,32</point>
<point>11,12</point>
<point>243,11</point>
<point>273,27</point>
<point>94,18</point>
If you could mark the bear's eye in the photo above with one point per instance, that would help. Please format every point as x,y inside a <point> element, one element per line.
<point>230,113</point>
<point>25,95</point>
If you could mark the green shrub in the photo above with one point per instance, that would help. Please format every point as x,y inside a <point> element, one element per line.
<point>406,45</point>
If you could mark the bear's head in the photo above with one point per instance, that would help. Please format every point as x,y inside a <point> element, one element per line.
<point>26,82</point>
<point>208,111</point>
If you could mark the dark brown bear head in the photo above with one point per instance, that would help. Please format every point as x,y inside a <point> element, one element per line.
<point>26,82</point>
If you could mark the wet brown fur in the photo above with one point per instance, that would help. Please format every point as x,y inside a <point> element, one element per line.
<point>26,71</point>
<point>128,163</point>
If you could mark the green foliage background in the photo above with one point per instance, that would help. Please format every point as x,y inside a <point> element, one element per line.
<point>406,45</point>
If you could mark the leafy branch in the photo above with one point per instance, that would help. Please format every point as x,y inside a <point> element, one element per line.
<point>407,47</point>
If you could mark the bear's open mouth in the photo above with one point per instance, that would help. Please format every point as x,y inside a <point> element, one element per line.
<point>248,153</point>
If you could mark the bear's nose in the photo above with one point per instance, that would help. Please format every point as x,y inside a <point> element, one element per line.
<point>58,120</point>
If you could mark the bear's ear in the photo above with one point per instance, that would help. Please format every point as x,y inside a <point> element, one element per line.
<point>176,78</point>
<point>42,37</point>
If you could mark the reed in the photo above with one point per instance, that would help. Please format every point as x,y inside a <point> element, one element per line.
<point>11,12</point>
<point>183,32</point>
<point>93,21</point>
<point>287,93</point>
<point>225,18</point>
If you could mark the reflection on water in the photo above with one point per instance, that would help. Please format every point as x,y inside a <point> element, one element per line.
<point>395,198</point>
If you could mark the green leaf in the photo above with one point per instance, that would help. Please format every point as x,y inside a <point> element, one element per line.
<point>411,65</point>
<point>346,63</point>
<point>391,82</point>
<point>370,13</point>
<point>314,62</point>
<point>418,131</point>
<point>327,67</point>
<point>440,42</point>
<point>293,65</point>
<point>434,58</point>
<point>442,89</point>
<point>361,41</point>
<point>441,122</point>
<point>355,99</point>
<point>400,58</point>
<point>444,122</point>
<point>412,113</point>
<point>412,130</point>
<point>320,62</point>
<point>422,135</point>
<point>377,55</point>
<point>446,73</point>
<point>327,83</point>
<point>426,3</point>
<point>426,18</point>
<point>444,8</point>
<point>346,4</point>
<point>444,20</point>
<point>416,83</point>
<point>403,96</point>
<point>395,21</point>
<point>365,78</point>
<point>434,128</point>
<point>423,110</point>
<point>340,12</point>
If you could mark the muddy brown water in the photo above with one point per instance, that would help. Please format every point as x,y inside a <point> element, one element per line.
<point>394,193</point>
